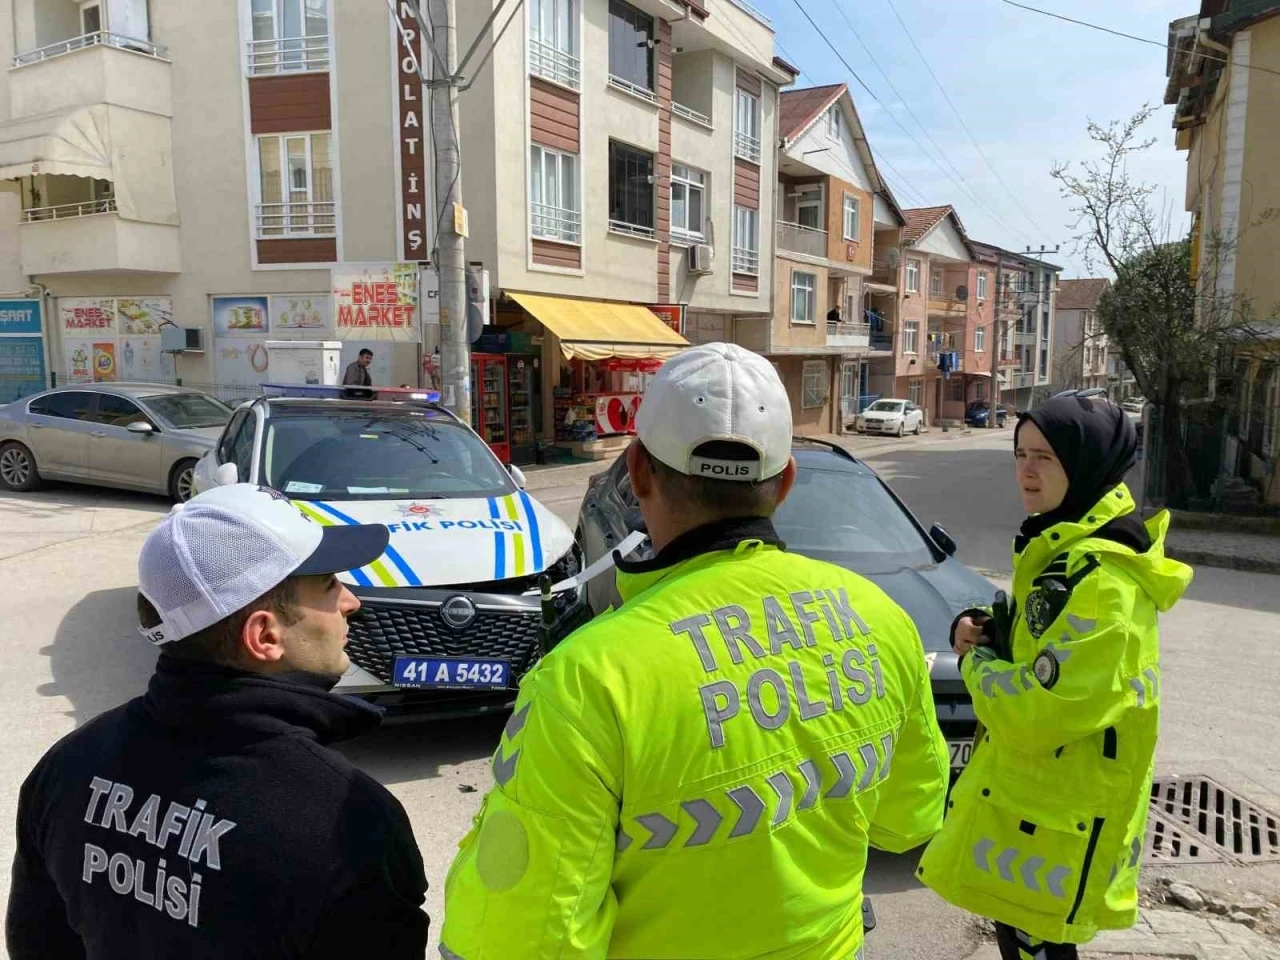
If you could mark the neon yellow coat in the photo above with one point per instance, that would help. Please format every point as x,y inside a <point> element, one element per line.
<point>1044,829</point>
<point>700,772</point>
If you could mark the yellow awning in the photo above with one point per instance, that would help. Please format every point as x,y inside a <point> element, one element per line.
<point>597,330</point>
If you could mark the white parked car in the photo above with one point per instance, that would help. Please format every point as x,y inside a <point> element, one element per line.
<point>450,617</point>
<point>895,417</point>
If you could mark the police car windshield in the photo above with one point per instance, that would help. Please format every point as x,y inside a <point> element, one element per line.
<point>850,520</point>
<point>346,455</point>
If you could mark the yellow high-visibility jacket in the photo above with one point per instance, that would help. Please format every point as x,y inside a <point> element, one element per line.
<point>1045,828</point>
<point>699,773</point>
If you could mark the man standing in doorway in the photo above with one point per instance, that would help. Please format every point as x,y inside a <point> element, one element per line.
<point>357,375</point>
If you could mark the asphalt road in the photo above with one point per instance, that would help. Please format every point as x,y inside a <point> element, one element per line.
<point>67,559</point>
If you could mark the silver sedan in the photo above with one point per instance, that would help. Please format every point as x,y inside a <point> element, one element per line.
<point>134,436</point>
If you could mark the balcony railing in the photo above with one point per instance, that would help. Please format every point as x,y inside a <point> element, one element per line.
<point>102,38</point>
<point>746,146</point>
<point>313,219</point>
<point>1023,380</point>
<point>849,334</point>
<point>556,223</point>
<point>749,9</point>
<point>555,65</point>
<point>745,261</point>
<point>798,238</point>
<point>67,211</point>
<point>941,303</point>
<point>881,272</point>
<point>688,113</point>
<point>296,54</point>
<point>644,93</point>
<point>631,229</point>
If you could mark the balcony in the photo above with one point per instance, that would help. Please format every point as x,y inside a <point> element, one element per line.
<point>1020,381</point>
<point>91,237</point>
<point>746,147</point>
<point>98,68</point>
<point>883,274</point>
<point>797,238</point>
<point>266,58</point>
<point>690,114</point>
<point>849,335</point>
<point>555,223</point>
<point>743,260</point>
<point>941,305</point>
<point>277,221</point>
<point>1024,337</point>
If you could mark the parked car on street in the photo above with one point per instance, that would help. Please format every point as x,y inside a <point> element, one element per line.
<point>136,436</point>
<point>842,512</point>
<point>895,417</point>
<point>978,414</point>
<point>450,617</point>
<point>1133,405</point>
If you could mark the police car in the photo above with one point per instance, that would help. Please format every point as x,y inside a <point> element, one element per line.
<point>450,616</point>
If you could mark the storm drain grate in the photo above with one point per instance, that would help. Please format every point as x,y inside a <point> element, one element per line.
<point>1206,812</point>
<point>1167,843</point>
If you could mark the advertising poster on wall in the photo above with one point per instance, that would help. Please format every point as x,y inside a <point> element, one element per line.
<point>142,359</point>
<point>240,361</point>
<point>235,316</point>
<point>77,355</point>
<point>303,316</point>
<point>104,362</point>
<point>86,316</point>
<point>22,370</point>
<point>20,316</point>
<point>143,317</point>
<point>376,301</point>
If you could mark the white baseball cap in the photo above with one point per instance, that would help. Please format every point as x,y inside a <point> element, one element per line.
<point>223,549</point>
<point>717,393</point>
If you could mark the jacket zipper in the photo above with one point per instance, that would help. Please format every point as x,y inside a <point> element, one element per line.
<point>1085,867</point>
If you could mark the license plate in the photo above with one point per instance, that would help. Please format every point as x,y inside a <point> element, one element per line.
<point>451,673</point>
<point>961,751</point>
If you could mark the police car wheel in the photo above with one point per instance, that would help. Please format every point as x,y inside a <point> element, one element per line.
<point>18,468</point>
<point>182,481</point>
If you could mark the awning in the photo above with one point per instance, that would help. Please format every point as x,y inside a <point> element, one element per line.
<point>130,148</point>
<point>597,330</point>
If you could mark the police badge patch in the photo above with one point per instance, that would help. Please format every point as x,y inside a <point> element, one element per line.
<point>1045,604</point>
<point>1045,667</point>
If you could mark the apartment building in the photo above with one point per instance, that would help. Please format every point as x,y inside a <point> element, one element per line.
<point>1223,80</point>
<point>830,203</point>
<point>1080,345</point>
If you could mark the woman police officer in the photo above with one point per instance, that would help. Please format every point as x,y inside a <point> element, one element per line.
<point>1044,829</point>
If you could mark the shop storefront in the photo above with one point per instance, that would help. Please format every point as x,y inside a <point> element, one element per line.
<point>22,355</point>
<point>104,339</point>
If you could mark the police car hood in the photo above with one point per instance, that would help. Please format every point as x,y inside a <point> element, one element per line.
<point>441,542</point>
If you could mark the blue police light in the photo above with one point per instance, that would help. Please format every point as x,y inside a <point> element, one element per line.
<point>338,392</point>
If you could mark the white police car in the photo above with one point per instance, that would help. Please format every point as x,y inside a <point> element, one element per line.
<point>450,617</point>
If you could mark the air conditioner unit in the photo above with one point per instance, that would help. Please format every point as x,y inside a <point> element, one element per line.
<point>175,339</point>
<point>702,257</point>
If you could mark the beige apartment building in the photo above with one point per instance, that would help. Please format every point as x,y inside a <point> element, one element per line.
<point>1081,346</point>
<point>262,171</point>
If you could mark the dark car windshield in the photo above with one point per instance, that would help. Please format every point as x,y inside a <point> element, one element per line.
<point>852,520</point>
<point>347,455</point>
<point>187,411</point>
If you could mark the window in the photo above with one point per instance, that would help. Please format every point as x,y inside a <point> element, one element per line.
<point>911,336</point>
<point>982,285</point>
<point>630,45</point>
<point>935,283</point>
<point>915,391</point>
<point>242,447</point>
<point>852,310</point>
<point>688,201</point>
<point>746,126</point>
<point>809,208</point>
<point>852,218</point>
<point>553,41</point>
<point>1044,362</point>
<point>980,340</point>
<point>71,405</point>
<point>804,297</point>
<point>746,225</point>
<point>116,411</point>
<point>90,19</point>
<point>295,186</point>
<point>288,35</point>
<point>833,122</point>
<point>630,190</point>
<point>955,389</point>
<point>813,388</point>
<point>980,390</point>
<point>553,195</point>
<point>913,276</point>
<point>1044,326</point>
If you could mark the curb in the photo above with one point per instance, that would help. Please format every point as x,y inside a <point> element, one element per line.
<point>1226,561</point>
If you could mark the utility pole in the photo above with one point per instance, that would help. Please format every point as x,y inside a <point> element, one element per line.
<point>997,334</point>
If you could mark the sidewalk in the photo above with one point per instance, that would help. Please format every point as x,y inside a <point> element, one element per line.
<point>1171,933</point>
<point>1253,552</point>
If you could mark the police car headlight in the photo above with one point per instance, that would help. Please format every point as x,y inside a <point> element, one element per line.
<point>567,566</point>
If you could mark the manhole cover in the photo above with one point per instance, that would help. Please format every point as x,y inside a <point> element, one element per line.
<point>1217,816</point>
<point>1167,843</point>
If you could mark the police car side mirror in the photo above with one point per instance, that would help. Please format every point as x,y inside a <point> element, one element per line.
<point>517,476</point>
<point>226,474</point>
<point>942,539</point>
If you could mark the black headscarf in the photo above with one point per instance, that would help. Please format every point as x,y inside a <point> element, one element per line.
<point>1097,445</point>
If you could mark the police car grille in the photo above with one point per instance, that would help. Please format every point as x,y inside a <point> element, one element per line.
<point>380,633</point>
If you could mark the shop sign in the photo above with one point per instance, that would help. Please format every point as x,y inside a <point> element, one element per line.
<point>376,301</point>
<point>672,314</point>
<point>410,118</point>
<point>20,316</point>
<point>78,314</point>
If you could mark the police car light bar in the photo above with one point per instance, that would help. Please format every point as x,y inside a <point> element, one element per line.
<point>312,390</point>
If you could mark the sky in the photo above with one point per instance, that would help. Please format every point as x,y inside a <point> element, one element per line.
<point>1025,85</point>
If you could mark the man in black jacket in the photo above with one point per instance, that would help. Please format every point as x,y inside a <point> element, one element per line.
<point>208,818</point>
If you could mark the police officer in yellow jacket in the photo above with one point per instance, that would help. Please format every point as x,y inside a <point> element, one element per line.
<point>699,773</point>
<point>1045,828</point>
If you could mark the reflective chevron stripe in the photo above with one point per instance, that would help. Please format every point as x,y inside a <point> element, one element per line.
<point>751,807</point>
<point>1013,868</point>
<point>662,831</point>
<point>812,785</point>
<point>1081,625</point>
<point>504,768</point>
<point>783,787</point>
<point>707,819</point>
<point>844,766</point>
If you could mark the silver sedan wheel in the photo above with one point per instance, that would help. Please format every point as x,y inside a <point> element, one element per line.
<point>16,467</point>
<point>185,484</point>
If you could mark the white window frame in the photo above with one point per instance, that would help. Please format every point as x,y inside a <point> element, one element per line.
<point>559,221</point>
<point>810,199</point>
<point>852,205</point>
<point>683,175</point>
<point>982,284</point>
<point>852,310</point>
<point>911,336</point>
<point>746,241</point>
<point>814,371</point>
<point>315,222</point>
<point>809,291</point>
<point>833,123</point>
<point>746,125</point>
<point>935,282</point>
<point>913,276</point>
<point>84,9</point>
<point>980,340</point>
<point>555,57</point>
<point>288,54</point>
<point>915,392</point>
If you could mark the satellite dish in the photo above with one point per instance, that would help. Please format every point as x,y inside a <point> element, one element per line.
<point>893,257</point>
<point>962,293</point>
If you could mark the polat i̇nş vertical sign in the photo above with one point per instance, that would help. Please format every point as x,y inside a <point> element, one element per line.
<point>411,141</point>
